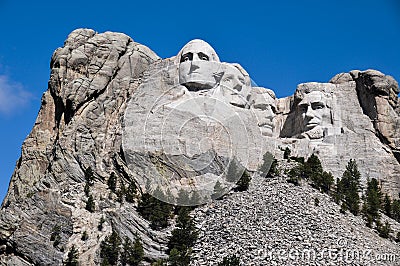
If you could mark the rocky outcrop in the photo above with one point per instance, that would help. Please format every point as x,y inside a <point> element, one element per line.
<point>114,106</point>
<point>78,126</point>
<point>361,123</point>
<point>378,96</point>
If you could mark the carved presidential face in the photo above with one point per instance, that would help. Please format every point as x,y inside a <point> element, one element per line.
<point>314,110</point>
<point>198,65</point>
<point>235,85</point>
<point>263,103</point>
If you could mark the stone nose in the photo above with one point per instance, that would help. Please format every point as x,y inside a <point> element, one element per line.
<point>193,66</point>
<point>309,112</point>
<point>237,87</point>
<point>269,112</point>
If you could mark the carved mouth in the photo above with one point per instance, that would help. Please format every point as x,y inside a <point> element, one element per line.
<point>241,105</point>
<point>265,125</point>
<point>311,125</point>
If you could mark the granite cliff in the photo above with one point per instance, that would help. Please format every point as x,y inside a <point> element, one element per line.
<point>114,106</point>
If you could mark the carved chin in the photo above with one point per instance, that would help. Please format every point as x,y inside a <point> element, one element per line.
<point>237,100</point>
<point>314,133</point>
<point>197,80</point>
<point>266,130</point>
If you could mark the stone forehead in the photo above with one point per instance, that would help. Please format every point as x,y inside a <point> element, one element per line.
<point>261,90</point>
<point>260,95</point>
<point>325,89</point>
<point>231,69</point>
<point>313,96</point>
<point>198,45</point>
<point>240,68</point>
<point>235,68</point>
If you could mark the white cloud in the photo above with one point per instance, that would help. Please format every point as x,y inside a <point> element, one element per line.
<point>12,95</point>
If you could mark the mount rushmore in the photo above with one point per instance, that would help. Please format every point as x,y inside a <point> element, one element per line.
<point>193,104</point>
<point>114,106</point>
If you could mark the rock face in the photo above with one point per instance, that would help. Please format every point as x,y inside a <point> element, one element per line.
<point>357,118</point>
<point>79,126</point>
<point>114,107</point>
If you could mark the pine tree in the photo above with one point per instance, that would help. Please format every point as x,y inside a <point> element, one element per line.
<point>87,189</point>
<point>195,198</point>
<point>84,236</point>
<point>233,171</point>
<point>90,205</point>
<point>372,201</point>
<point>158,193</point>
<point>286,153</point>
<point>326,183</point>
<point>121,192</point>
<point>182,239</point>
<point>89,176</point>
<point>55,235</point>
<point>269,166</point>
<point>183,198</point>
<point>313,169</point>
<point>295,174</point>
<point>159,262</point>
<point>110,248</point>
<point>273,171</point>
<point>160,216</point>
<point>161,210</point>
<point>218,192</point>
<point>316,201</point>
<point>338,194</point>
<point>145,205</point>
<point>89,180</point>
<point>349,186</point>
<point>396,210</point>
<point>101,222</point>
<point>72,257</point>
<point>169,197</point>
<point>138,251</point>
<point>384,230</point>
<point>132,254</point>
<point>131,192</point>
<point>387,205</point>
<point>155,211</point>
<point>244,182</point>
<point>179,258</point>
<point>230,261</point>
<point>112,182</point>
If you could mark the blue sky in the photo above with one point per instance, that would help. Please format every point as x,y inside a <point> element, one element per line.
<point>280,43</point>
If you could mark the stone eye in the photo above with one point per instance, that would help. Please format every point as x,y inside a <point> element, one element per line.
<point>318,106</point>
<point>303,108</point>
<point>203,57</point>
<point>186,57</point>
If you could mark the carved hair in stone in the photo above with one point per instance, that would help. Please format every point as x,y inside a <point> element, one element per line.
<point>199,66</point>
<point>263,103</point>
